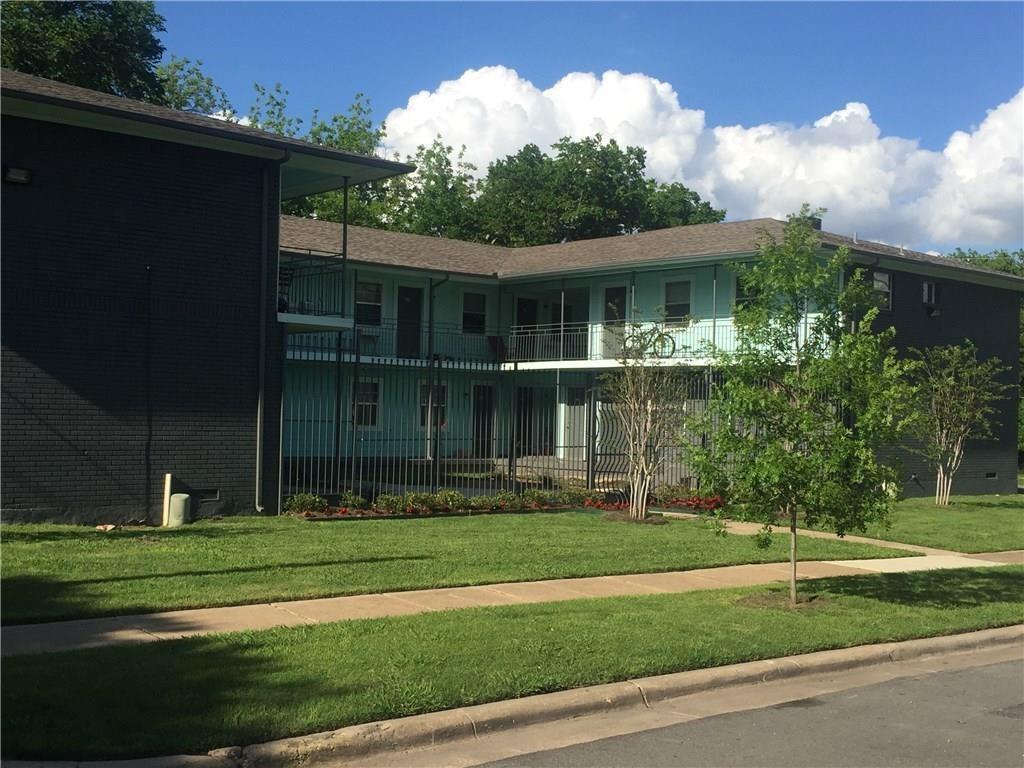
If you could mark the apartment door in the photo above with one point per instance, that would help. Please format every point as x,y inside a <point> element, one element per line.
<point>614,320</point>
<point>483,420</point>
<point>524,334</point>
<point>574,425</point>
<point>410,322</point>
<point>524,423</point>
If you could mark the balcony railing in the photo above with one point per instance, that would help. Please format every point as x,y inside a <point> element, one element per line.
<point>312,286</point>
<point>392,341</point>
<point>605,341</point>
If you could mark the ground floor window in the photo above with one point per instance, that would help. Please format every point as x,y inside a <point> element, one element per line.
<point>439,404</point>
<point>367,403</point>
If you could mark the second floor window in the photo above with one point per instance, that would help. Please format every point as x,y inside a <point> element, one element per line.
<point>433,408</point>
<point>366,403</point>
<point>368,303</point>
<point>882,284</point>
<point>677,301</point>
<point>930,293</point>
<point>474,313</point>
<point>744,294</point>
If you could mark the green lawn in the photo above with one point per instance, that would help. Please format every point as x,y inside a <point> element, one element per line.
<point>196,694</point>
<point>968,524</point>
<point>58,572</point>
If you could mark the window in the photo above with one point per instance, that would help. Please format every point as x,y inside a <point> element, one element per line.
<point>368,303</point>
<point>366,403</point>
<point>439,405</point>
<point>474,313</point>
<point>744,294</point>
<point>677,301</point>
<point>930,293</point>
<point>882,283</point>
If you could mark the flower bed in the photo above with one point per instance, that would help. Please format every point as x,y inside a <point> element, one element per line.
<point>449,502</point>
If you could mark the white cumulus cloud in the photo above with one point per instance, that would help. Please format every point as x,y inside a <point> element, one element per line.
<point>883,187</point>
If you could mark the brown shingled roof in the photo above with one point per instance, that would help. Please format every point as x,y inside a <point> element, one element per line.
<point>16,84</point>
<point>399,249</point>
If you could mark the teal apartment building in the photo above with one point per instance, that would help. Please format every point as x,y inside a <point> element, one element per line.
<point>414,362</point>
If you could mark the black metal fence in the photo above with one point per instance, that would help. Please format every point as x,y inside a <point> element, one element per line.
<point>379,428</point>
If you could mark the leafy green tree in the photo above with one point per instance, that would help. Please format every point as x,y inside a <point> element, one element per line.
<point>106,46</point>
<point>673,205</point>
<point>588,188</point>
<point>188,88</point>
<point>1011,262</point>
<point>806,406</point>
<point>958,396</point>
<point>517,200</point>
<point>600,189</point>
<point>441,195</point>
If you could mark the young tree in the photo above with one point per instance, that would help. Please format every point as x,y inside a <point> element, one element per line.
<point>958,395</point>
<point>805,405</point>
<point>106,46</point>
<point>646,393</point>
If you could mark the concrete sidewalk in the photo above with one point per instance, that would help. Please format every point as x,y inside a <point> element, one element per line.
<point>748,529</point>
<point>121,630</point>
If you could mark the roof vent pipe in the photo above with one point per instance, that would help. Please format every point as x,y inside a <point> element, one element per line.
<point>855,238</point>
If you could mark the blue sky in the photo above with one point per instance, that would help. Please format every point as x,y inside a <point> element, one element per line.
<point>922,70</point>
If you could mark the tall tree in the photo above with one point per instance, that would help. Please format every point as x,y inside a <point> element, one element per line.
<point>805,406</point>
<point>588,188</point>
<point>958,397</point>
<point>106,46</point>
<point>441,199</point>
<point>188,88</point>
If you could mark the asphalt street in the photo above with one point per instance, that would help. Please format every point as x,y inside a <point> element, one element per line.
<point>965,717</point>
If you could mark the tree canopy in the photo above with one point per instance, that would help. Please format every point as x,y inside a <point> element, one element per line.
<point>106,46</point>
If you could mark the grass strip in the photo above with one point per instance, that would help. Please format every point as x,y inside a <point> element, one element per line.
<point>53,572</point>
<point>968,524</point>
<point>197,694</point>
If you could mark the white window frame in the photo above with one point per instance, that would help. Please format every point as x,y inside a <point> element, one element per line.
<point>421,403</point>
<point>887,293</point>
<point>930,293</point>
<point>356,403</point>
<point>678,319</point>
<point>462,322</point>
<point>379,304</point>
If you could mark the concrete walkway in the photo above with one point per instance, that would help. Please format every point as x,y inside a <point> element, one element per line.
<point>748,529</point>
<point>121,630</point>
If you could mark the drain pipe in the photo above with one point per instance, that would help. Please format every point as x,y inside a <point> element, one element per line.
<point>263,299</point>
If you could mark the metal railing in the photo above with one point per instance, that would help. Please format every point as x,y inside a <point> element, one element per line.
<point>396,342</point>
<point>606,340</point>
<point>311,286</point>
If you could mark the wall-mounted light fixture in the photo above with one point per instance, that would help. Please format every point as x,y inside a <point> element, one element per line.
<point>17,175</point>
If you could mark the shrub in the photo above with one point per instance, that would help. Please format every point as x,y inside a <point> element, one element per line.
<point>419,502</point>
<point>306,504</point>
<point>390,503</point>
<point>351,500</point>
<point>448,499</point>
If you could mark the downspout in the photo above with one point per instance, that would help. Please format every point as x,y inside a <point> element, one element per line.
<point>262,359</point>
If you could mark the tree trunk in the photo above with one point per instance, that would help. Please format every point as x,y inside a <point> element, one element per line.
<point>792,557</point>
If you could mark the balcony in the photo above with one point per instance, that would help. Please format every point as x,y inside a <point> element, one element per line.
<point>310,293</point>
<point>400,344</point>
<point>587,344</point>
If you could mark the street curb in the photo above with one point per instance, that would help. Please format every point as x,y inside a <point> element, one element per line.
<point>369,739</point>
<point>384,736</point>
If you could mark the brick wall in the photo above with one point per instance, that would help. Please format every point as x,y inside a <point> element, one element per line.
<point>130,319</point>
<point>989,317</point>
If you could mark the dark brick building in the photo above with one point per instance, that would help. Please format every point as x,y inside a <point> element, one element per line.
<point>139,302</point>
